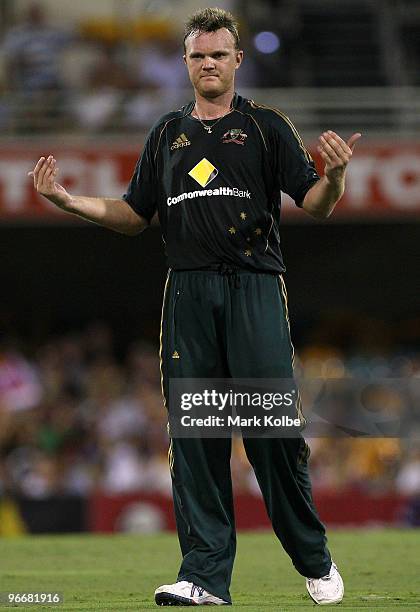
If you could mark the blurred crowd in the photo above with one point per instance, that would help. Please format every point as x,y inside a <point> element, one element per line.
<point>113,74</point>
<point>75,418</point>
<point>95,77</point>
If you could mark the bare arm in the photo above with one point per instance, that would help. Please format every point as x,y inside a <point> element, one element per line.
<point>321,199</point>
<point>113,214</point>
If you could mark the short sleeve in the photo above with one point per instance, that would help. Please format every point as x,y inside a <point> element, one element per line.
<point>295,167</point>
<point>141,192</point>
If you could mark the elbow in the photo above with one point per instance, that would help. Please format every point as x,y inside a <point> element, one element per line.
<point>136,226</point>
<point>133,223</point>
<point>133,231</point>
<point>320,214</point>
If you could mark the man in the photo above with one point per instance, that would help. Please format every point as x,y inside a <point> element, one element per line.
<point>224,307</point>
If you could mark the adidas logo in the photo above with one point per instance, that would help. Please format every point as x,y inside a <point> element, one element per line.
<point>181,141</point>
<point>175,355</point>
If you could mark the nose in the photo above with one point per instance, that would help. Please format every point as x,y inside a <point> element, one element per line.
<point>208,63</point>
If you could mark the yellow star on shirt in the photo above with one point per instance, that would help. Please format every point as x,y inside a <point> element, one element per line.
<point>232,230</point>
<point>243,216</point>
<point>248,253</point>
<point>258,231</point>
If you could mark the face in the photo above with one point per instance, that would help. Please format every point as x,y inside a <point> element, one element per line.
<point>212,59</point>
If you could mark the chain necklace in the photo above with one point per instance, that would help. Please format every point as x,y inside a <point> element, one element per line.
<point>208,128</point>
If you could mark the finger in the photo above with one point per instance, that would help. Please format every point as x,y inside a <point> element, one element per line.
<point>34,172</point>
<point>341,143</point>
<point>336,146</point>
<point>326,158</point>
<point>49,171</point>
<point>353,139</point>
<point>43,170</point>
<point>330,149</point>
<point>39,164</point>
<point>342,156</point>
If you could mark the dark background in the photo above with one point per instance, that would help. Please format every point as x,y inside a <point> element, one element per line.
<point>56,279</point>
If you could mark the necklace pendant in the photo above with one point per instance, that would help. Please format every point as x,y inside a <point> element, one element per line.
<point>208,128</point>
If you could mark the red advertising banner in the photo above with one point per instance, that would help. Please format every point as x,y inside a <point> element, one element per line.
<point>146,512</point>
<point>383,180</point>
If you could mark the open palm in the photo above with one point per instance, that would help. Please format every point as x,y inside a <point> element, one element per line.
<point>44,175</point>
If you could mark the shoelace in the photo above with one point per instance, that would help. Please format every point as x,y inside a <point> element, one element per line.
<point>195,588</point>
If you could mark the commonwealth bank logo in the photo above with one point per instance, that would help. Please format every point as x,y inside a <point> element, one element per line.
<point>204,172</point>
<point>181,141</point>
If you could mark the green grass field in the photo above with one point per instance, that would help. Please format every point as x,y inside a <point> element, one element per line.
<point>381,570</point>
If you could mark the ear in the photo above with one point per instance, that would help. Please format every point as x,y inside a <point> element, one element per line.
<point>239,58</point>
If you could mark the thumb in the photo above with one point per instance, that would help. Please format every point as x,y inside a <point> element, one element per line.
<point>353,139</point>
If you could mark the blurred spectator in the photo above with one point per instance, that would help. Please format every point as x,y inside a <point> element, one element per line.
<point>108,83</point>
<point>161,66</point>
<point>408,483</point>
<point>408,479</point>
<point>161,70</point>
<point>32,53</point>
<point>123,469</point>
<point>20,387</point>
<point>33,473</point>
<point>372,464</point>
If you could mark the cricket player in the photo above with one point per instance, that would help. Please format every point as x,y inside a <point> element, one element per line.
<point>214,171</point>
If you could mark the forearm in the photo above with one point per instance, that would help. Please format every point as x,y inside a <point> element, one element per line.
<point>113,214</point>
<point>322,197</point>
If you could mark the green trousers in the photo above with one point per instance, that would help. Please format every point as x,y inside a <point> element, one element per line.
<point>234,324</point>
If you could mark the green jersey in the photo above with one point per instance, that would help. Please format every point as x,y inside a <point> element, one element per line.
<point>216,185</point>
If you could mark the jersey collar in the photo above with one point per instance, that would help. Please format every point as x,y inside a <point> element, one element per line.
<point>188,109</point>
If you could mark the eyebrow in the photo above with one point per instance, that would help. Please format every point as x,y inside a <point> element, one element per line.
<point>201,54</point>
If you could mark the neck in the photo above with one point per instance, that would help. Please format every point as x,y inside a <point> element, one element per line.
<point>212,108</point>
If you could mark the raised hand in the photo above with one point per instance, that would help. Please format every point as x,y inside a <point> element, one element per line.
<point>44,175</point>
<point>336,153</point>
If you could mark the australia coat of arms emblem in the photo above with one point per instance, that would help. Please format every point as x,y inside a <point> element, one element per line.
<point>235,135</point>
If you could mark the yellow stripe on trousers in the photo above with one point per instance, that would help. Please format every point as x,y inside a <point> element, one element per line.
<point>170,450</point>
<point>286,312</point>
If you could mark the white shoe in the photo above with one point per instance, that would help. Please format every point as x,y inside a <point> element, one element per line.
<point>185,594</point>
<point>326,590</point>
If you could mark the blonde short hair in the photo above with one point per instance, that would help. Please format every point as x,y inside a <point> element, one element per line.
<point>210,20</point>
